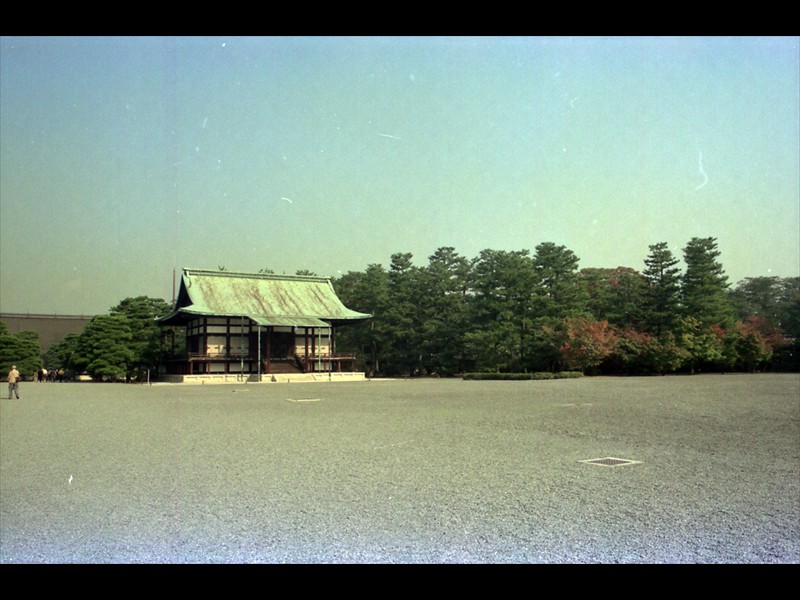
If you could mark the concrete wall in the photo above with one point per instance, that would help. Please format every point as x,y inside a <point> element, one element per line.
<point>51,328</point>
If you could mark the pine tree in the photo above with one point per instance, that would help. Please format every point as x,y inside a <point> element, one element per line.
<point>501,310</point>
<point>704,285</point>
<point>559,292</point>
<point>103,349</point>
<point>664,287</point>
<point>445,282</point>
<point>402,317</point>
<point>20,349</point>
<point>617,295</point>
<point>141,313</point>
<point>366,292</point>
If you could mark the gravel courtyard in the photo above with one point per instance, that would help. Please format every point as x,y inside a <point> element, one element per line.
<point>394,471</point>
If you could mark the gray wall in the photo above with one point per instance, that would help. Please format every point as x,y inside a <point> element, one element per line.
<point>51,328</point>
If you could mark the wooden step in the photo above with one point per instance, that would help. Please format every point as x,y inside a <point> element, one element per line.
<point>279,366</point>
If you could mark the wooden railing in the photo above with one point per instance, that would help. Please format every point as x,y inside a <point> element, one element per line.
<point>237,354</point>
<point>328,356</point>
<point>232,354</point>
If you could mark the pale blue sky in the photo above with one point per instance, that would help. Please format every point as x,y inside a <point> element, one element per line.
<point>122,159</point>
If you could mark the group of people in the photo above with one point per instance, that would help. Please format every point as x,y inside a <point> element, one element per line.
<point>43,375</point>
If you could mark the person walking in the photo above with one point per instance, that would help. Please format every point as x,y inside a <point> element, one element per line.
<point>13,382</point>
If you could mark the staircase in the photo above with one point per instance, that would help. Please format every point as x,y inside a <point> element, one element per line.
<point>283,366</point>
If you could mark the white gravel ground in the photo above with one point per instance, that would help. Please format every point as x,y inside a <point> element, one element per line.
<point>420,471</point>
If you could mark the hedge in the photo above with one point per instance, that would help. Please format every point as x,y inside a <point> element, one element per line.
<point>522,376</point>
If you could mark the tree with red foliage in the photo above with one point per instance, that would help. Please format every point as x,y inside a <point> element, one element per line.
<point>755,341</point>
<point>631,352</point>
<point>586,343</point>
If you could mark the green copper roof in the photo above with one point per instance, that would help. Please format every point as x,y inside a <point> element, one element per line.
<point>266,299</point>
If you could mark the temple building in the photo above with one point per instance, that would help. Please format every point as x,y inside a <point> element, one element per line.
<point>243,326</point>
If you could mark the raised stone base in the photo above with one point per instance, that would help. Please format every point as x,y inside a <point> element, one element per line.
<point>213,378</point>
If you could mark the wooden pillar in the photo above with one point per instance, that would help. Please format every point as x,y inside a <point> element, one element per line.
<point>332,342</point>
<point>205,344</point>
<point>305,357</point>
<point>227,346</point>
<point>313,347</point>
<point>269,335</point>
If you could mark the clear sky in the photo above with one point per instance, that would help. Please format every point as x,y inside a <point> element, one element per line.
<point>122,159</point>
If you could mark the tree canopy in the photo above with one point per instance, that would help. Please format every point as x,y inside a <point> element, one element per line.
<point>705,285</point>
<point>501,311</point>
<point>123,344</point>
<point>508,310</point>
<point>19,349</point>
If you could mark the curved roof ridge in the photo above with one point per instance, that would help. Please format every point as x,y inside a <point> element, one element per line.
<point>212,272</point>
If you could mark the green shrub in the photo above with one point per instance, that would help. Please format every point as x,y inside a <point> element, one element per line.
<point>540,375</point>
<point>521,376</point>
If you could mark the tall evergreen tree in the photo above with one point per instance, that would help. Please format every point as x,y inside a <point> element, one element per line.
<point>402,318</point>
<point>704,285</point>
<point>445,282</point>
<point>501,309</point>
<point>618,295</point>
<point>764,297</point>
<point>663,289</point>
<point>366,292</point>
<point>141,313</point>
<point>789,323</point>
<point>789,307</point>
<point>558,292</point>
